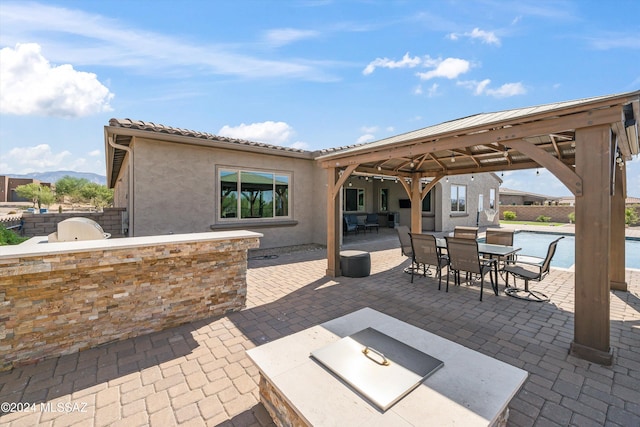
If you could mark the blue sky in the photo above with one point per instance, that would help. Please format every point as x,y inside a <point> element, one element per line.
<point>305,73</point>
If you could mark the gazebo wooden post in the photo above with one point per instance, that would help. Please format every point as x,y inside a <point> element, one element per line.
<point>416,204</point>
<point>593,218</point>
<point>617,251</point>
<point>333,224</point>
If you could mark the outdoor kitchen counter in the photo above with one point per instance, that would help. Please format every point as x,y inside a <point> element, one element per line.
<point>65,297</point>
<point>470,389</point>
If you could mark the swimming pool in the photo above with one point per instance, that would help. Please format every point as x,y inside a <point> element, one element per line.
<point>536,243</point>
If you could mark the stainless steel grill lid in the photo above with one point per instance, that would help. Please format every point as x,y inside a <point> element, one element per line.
<point>382,369</point>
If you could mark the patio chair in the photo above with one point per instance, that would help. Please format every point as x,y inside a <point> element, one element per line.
<point>426,252</point>
<point>405,245</point>
<point>464,256</point>
<point>371,222</point>
<point>528,268</point>
<point>465,232</point>
<point>350,223</point>
<point>497,236</point>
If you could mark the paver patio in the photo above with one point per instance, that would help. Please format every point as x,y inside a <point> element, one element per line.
<point>198,373</point>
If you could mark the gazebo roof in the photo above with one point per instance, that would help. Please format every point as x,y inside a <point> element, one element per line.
<point>485,142</point>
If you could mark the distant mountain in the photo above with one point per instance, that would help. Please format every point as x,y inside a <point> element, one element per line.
<point>54,176</point>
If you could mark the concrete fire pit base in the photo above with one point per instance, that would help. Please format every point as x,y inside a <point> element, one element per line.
<point>471,389</point>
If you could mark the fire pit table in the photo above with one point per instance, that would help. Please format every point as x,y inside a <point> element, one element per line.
<point>304,382</point>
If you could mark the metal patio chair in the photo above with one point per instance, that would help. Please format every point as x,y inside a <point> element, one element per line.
<point>464,256</point>
<point>426,252</point>
<point>405,245</point>
<point>528,268</point>
<point>465,232</point>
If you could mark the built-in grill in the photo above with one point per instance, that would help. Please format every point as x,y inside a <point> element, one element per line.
<point>78,228</point>
<point>382,369</point>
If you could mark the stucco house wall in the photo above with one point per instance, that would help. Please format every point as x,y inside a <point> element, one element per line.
<point>170,184</point>
<point>176,190</point>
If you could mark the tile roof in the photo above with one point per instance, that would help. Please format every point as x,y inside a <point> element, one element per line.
<point>159,128</point>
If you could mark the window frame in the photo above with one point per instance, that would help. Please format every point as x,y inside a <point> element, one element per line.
<point>457,188</point>
<point>384,200</point>
<point>360,192</point>
<point>492,198</point>
<point>239,171</point>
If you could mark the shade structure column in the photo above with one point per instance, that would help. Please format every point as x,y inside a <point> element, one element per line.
<point>416,204</point>
<point>617,250</point>
<point>333,224</point>
<point>593,219</point>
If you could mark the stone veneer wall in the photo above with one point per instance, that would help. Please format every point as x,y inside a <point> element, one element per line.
<point>93,292</point>
<point>110,219</point>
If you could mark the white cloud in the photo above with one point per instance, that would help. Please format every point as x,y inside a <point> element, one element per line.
<point>487,37</point>
<point>449,68</point>
<point>405,62</point>
<point>433,90</point>
<point>283,36</point>
<point>504,91</point>
<point>95,153</point>
<point>390,129</point>
<point>30,85</point>
<point>41,158</point>
<point>369,129</point>
<point>507,90</point>
<point>269,132</point>
<point>109,42</point>
<point>417,90</point>
<point>300,145</point>
<point>365,138</point>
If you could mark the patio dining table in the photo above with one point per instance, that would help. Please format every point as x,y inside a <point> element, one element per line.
<point>492,250</point>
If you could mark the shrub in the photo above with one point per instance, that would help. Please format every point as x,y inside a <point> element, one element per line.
<point>630,216</point>
<point>8,237</point>
<point>509,215</point>
<point>572,217</point>
<point>543,218</point>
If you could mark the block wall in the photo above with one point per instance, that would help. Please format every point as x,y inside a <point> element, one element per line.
<point>44,224</point>
<point>530,213</point>
<point>63,303</point>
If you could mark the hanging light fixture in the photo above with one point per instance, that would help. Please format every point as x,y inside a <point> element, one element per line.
<point>411,165</point>
<point>537,172</point>
<point>506,153</point>
<point>350,184</point>
<point>472,177</point>
<point>447,179</point>
<point>453,157</point>
<point>379,168</point>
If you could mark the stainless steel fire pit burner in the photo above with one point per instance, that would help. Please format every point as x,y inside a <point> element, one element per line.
<point>382,369</point>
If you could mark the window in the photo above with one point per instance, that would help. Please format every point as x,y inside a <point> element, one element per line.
<point>250,194</point>
<point>384,199</point>
<point>492,198</point>
<point>426,202</point>
<point>458,198</point>
<point>354,199</point>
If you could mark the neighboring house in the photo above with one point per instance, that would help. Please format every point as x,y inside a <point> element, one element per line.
<point>570,200</point>
<point>181,181</point>
<point>516,197</point>
<point>8,188</point>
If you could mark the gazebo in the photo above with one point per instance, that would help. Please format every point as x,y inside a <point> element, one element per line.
<point>584,143</point>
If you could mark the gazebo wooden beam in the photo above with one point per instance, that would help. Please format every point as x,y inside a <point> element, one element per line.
<point>461,141</point>
<point>560,170</point>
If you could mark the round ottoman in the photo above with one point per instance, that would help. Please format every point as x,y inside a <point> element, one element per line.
<point>355,263</point>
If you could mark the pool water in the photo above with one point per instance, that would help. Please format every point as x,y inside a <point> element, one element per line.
<point>536,244</point>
